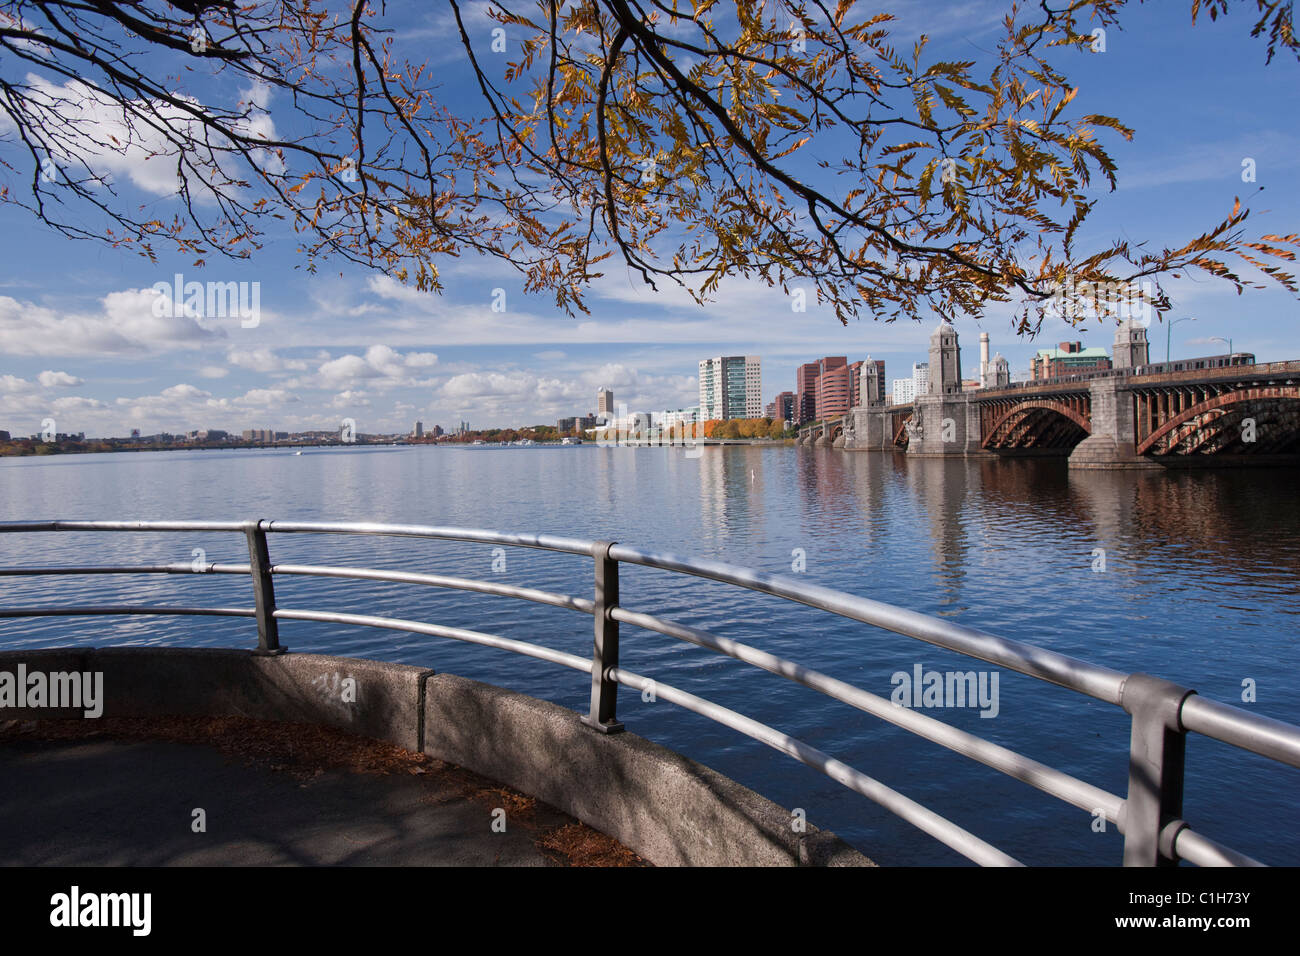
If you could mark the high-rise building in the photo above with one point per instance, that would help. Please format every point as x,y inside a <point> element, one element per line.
<point>577,425</point>
<point>418,430</point>
<point>731,386</point>
<point>781,408</point>
<point>677,418</point>
<point>605,403</point>
<point>920,378</point>
<point>805,392</point>
<point>806,385</point>
<point>905,390</point>
<point>834,391</point>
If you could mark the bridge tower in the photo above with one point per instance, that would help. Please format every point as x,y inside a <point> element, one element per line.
<point>871,389</point>
<point>1131,347</point>
<point>945,361</point>
<point>996,373</point>
<point>945,422</point>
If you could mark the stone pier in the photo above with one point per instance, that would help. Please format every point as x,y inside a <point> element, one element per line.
<point>1110,444</point>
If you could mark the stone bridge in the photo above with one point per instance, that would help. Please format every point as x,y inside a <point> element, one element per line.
<point>1118,418</point>
<point>828,433</point>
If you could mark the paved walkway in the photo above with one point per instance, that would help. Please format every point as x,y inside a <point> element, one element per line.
<point>113,798</point>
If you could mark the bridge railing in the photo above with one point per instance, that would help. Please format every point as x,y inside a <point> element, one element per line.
<point>1162,713</point>
<point>1156,373</point>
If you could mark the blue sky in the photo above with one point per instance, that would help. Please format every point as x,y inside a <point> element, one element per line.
<point>78,341</point>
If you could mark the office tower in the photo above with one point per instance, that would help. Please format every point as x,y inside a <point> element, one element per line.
<point>731,386</point>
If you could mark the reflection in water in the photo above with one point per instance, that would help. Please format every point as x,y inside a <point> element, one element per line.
<point>942,493</point>
<point>732,492</point>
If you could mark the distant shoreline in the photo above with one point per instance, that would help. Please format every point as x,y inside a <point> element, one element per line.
<point>28,449</point>
<point>46,450</point>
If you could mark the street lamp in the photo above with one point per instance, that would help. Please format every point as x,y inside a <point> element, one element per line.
<point>1169,329</point>
<point>1220,338</point>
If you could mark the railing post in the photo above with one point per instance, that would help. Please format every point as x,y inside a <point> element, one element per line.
<point>604,692</point>
<point>259,563</point>
<point>1157,754</point>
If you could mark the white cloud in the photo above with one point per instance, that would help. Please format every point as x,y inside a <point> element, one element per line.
<point>264,360</point>
<point>125,324</point>
<point>268,396</point>
<point>489,384</point>
<point>59,380</point>
<point>381,367</point>
<point>75,403</point>
<point>350,399</point>
<point>184,392</point>
<point>113,142</point>
<point>515,394</point>
<point>347,368</point>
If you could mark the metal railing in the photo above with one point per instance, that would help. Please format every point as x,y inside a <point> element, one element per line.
<point>1162,713</point>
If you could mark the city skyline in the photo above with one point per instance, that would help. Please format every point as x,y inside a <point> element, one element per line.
<point>605,403</point>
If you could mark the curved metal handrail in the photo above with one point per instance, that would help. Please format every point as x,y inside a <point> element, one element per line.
<point>439,630</point>
<point>1100,682</point>
<point>1152,836</point>
<point>1072,790</point>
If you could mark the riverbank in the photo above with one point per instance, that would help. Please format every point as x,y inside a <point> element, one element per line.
<point>49,449</point>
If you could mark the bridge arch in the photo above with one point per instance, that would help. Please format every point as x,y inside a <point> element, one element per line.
<point>1038,423</point>
<point>828,431</point>
<point>1217,422</point>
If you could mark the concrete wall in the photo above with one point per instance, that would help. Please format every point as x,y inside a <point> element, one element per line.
<point>300,688</point>
<point>668,809</point>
